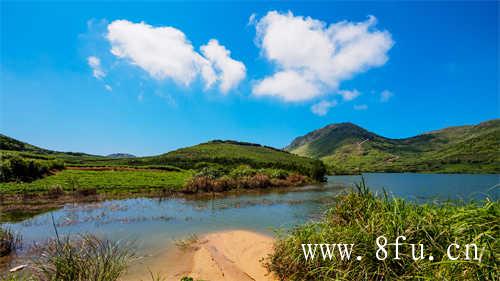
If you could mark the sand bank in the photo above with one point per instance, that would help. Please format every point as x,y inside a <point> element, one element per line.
<point>234,255</point>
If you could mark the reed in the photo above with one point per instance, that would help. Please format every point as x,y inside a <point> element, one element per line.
<point>9,241</point>
<point>82,259</point>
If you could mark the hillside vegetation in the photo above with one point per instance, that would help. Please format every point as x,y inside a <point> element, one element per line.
<point>349,149</point>
<point>212,166</point>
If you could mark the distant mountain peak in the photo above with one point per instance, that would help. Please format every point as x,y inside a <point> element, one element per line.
<point>348,148</point>
<point>120,155</point>
<point>335,131</point>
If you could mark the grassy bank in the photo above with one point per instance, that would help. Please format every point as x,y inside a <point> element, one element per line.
<point>107,181</point>
<point>359,218</point>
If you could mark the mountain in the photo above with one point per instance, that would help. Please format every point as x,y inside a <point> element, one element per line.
<point>13,145</point>
<point>348,149</point>
<point>120,155</point>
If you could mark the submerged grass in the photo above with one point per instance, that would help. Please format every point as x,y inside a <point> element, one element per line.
<point>360,217</point>
<point>187,243</point>
<point>9,241</point>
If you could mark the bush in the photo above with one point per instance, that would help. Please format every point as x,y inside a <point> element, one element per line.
<point>212,171</point>
<point>242,171</point>
<point>275,173</point>
<point>26,170</point>
<point>360,217</point>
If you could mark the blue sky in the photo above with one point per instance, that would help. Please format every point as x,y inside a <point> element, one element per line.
<point>397,69</point>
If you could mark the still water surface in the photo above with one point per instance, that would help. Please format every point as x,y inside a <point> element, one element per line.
<point>155,222</point>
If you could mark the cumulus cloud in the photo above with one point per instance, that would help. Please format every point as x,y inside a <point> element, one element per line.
<point>288,85</point>
<point>166,53</point>
<point>95,63</point>
<point>385,96</point>
<point>230,72</point>
<point>349,95</point>
<point>323,107</point>
<point>322,55</point>
<point>360,107</point>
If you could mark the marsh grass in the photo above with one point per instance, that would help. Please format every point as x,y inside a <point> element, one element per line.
<point>360,217</point>
<point>9,241</point>
<point>82,259</point>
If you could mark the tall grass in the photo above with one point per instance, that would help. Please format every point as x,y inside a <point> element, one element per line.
<point>360,217</point>
<point>83,259</point>
<point>9,241</point>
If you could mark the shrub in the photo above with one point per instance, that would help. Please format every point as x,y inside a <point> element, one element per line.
<point>360,217</point>
<point>242,171</point>
<point>213,171</point>
<point>275,173</point>
<point>26,170</point>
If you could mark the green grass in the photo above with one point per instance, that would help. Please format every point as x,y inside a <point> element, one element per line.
<point>360,217</point>
<point>103,181</point>
<point>82,259</point>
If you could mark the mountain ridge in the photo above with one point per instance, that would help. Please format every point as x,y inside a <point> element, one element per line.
<point>348,148</point>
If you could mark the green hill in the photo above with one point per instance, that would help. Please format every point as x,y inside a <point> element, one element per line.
<point>226,154</point>
<point>229,154</point>
<point>348,149</point>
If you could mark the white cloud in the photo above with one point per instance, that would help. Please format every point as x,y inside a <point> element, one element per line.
<point>323,107</point>
<point>360,107</point>
<point>230,71</point>
<point>287,85</point>
<point>252,19</point>
<point>386,95</point>
<point>349,95</point>
<point>165,52</point>
<point>108,88</point>
<point>95,63</point>
<point>323,55</point>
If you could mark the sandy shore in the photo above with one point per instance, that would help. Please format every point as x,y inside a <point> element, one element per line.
<point>220,256</point>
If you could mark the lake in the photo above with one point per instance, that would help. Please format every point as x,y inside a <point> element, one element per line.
<point>155,223</point>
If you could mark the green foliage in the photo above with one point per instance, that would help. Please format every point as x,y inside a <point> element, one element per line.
<point>26,170</point>
<point>243,171</point>
<point>360,217</point>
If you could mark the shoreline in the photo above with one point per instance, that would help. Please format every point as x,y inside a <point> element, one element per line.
<point>217,256</point>
<point>14,208</point>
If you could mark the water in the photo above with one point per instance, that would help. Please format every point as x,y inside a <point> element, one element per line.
<point>428,187</point>
<point>155,223</point>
